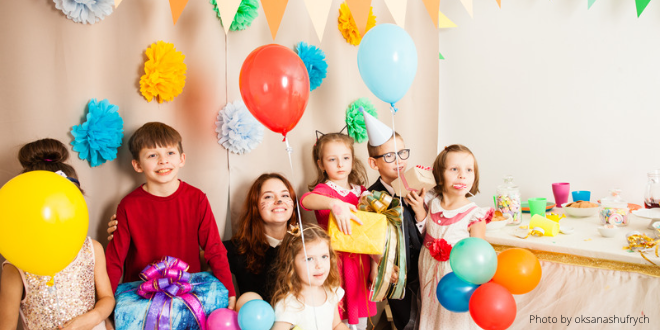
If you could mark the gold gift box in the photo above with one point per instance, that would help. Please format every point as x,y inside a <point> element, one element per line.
<point>369,238</point>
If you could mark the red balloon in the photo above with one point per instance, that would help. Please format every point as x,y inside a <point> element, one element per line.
<point>274,85</point>
<point>492,307</point>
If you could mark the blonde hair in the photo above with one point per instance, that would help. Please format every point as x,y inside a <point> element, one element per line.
<point>358,174</point>
<point>440,165</point>
<point>287,281</point>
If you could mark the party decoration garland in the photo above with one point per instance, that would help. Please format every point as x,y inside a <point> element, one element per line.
<point>314,59</point>
<point>247,12</point>
<point>164,72</point>
<point>85,11</point>
<point>348,27</point>
<point>97,139</point>
<point>355,119</point>
<point>237,129</point>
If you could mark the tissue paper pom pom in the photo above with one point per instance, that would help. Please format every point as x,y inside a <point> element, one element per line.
<point>314,59</point>
<point>355,119</point>
<point>164,73</point>
<point>348,27</point>
<point>97,139</point>
<point>85,11</point>
<point>238,130</point>
<point>247,12</point>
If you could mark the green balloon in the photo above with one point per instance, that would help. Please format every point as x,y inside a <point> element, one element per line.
<point>473,260</point>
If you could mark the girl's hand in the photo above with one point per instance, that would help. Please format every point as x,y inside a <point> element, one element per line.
<point>109,325</point>
<point>232,303</point>
<point>112,226</point>
<point>344,213</point>
<point>416,201</point>
<point>395,274</point>
<point>77,323</point>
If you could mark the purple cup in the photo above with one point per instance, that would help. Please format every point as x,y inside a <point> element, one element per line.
<point>561,190</point>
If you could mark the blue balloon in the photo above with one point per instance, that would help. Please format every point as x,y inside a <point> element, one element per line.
<point>473,260</point>
<point>387,60</point>
<point>454,294</point>
<point>256,315</point>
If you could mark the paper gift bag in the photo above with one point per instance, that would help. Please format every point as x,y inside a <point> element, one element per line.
<point>414,179</point>
<point>369,238</point>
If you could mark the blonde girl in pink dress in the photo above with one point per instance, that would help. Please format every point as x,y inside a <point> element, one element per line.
<point>339,184</point>
<point>451,218</point>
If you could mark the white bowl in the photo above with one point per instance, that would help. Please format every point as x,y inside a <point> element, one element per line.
<point>497,225</point>
<point>607,232</point>
<point>577,212</point>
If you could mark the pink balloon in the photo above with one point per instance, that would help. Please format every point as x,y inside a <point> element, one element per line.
<point>222,319</point>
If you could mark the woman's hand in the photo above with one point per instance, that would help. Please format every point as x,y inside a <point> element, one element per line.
<point>416,202</point>
<point>344,213</point>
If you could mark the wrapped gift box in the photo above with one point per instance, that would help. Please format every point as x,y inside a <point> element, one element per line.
<point>131,308</point>
<point>369,238</point>
<point>415,178</point>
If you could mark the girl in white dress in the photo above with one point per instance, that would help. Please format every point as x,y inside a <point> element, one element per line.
<point>451,218</point>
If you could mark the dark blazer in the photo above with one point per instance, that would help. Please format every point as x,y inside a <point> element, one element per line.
<point>247,281</point>
<point>405,311</point>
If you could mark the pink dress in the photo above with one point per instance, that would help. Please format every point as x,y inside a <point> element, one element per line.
<point>444,228</point>
<point>354,268</point>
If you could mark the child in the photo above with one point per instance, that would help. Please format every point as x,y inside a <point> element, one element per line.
<point>299,300</point>
<point>451,218</point>
<point>337,189</point>
<point>164,216</point>
<point>382,158</point>
<point>28,295</point>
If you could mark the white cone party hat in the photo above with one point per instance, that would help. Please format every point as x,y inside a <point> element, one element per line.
<point>378,132</point>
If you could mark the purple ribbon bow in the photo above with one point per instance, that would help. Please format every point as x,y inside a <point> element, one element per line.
<point>163,281</point>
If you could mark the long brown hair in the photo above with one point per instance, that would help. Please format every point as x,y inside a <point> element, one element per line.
<point>250,238</point>
<point>46,155</point>
<point>358,174</point>
<point>440,165</point>
<point>287,281</point>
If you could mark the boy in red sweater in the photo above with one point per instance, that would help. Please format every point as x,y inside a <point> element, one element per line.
<point>165,216</point>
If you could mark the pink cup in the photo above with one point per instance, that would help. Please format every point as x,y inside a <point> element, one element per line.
<point>561,190</point>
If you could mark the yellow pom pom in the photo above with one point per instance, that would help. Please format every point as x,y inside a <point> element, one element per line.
<point>164,73</point>
<point>348,27</point>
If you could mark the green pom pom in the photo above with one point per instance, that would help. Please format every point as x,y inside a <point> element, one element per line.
<point>355,119</point>
<point>247,12</point>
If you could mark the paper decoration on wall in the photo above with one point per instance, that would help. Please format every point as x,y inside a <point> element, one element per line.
<point>444,22</point>
<point>176,6</point>
<point>164,72</point>
<point>499,3</point>
<point>360,9</point>
<point>590,3</point>
<point>440,56</point>
<point>274,11</point>
<point>318,11</point>
<point>85,11</point>
<point>226,11</point>
<point>355,118</point>
<point>314,60</point>
<point>117,2</point>
<point>97,139</point>
<point>347,25</point>
<point>432,7</point>
<point>398,10</point>
<point>468,6</point>
<point>641,5</point>
<point>237,129</point>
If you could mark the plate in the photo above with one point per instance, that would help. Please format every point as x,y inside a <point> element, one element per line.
<point>647,213</point>
<point>524,206</point>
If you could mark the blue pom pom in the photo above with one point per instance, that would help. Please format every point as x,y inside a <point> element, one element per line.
<point>85,11</point>
<point>97,139</point>
<point>314,60</point>
<point>237,129</point>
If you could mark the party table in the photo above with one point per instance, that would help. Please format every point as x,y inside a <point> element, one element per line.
<point>588,281</point>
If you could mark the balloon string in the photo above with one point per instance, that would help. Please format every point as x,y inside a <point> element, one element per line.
<point>398,168</point>
<point>289,151</point>
<point>52,289</point>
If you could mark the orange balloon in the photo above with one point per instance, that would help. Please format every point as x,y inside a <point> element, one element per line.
<point>248,296</point>
<point>518,270</point>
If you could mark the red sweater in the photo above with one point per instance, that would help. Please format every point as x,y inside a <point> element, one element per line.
<point>152,227</point>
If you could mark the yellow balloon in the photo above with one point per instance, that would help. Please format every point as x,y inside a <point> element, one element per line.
<point>43,222</point>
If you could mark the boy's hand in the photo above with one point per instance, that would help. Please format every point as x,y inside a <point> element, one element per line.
<point>343,213</point>
<point>232,303</point>
<point>416,201</point>
<point>112,226</point>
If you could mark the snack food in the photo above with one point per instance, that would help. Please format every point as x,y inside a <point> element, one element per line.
<point>498,216</point>
<point>582,204</point>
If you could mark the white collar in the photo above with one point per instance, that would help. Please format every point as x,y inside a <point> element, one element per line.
<point>454,212</point>
<point>356,190</point>
<point>272,241</point>
<point>389,188</point>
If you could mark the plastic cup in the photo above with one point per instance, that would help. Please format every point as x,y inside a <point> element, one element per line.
<point>537,206</point>
<point>581,195</point>
<point>560,190</point>
<point>550,228</point>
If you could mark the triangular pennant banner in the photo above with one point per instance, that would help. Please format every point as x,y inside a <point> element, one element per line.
<point>468,6</point>
<point>440,55</point>
<point>444,22</point>
<point>433,6</point>
<point>227,9</point>
<point>360,12</point>
<point>274,11</point>
<point>177,8</point>
<point>117,2</point>
<point>398,10</point>
<point>499,2</point>
<point>318,12</point>
<point>590,3</point>
<point>641,5</point>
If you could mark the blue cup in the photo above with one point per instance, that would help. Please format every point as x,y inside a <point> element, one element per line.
<point>582,195</point>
